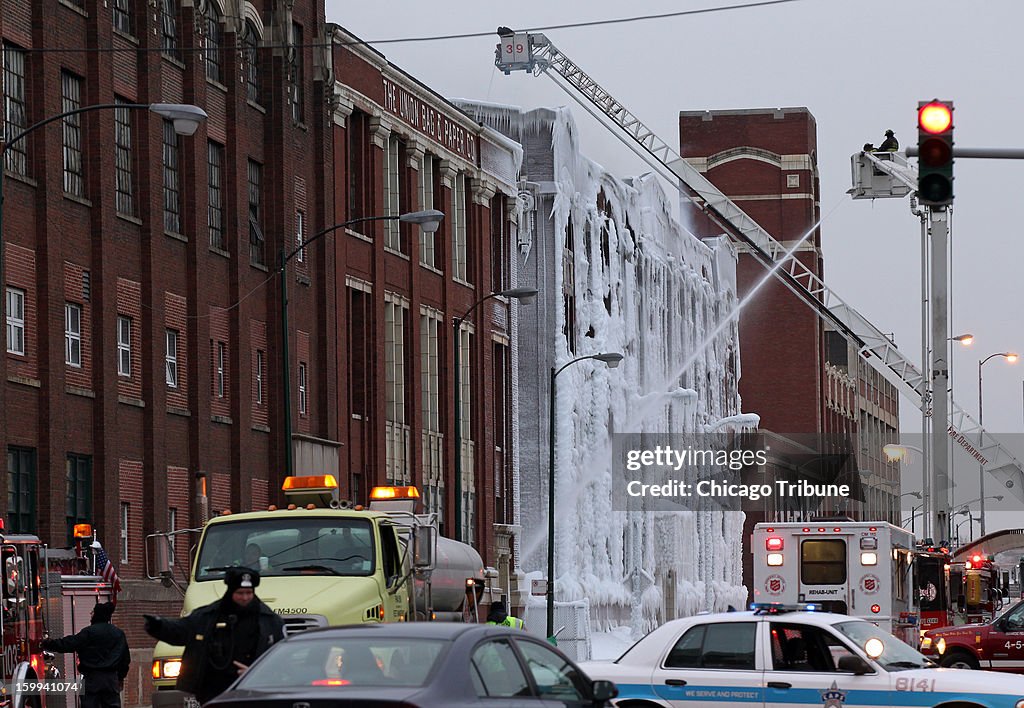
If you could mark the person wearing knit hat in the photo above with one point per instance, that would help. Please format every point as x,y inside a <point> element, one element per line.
<point>221,639</point>
<point>103,658</point>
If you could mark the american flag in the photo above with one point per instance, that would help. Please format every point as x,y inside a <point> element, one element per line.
<point>106,569</point>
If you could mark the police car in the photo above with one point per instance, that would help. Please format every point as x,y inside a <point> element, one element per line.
<point>778,656</point>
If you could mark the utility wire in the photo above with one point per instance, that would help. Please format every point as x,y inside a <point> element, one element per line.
<point>397,40</point>
<point>593,23</point>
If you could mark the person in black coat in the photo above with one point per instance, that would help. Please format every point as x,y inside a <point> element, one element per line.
<point>221,639</point>
<point>103,658</point>
<point>890,144</point>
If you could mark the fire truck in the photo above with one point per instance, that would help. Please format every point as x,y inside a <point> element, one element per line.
<point>932,581</point>
<point>325,562</point>
<point>977,581</point>
<point>39,593</point>
<point>857,568</point>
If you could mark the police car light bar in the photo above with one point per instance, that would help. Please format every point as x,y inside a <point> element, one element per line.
<point>777,608</point>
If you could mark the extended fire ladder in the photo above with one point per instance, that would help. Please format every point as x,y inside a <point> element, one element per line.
<point>536,54</point>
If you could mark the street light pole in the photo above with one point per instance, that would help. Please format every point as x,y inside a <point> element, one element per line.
<point>916,495</point>
<point>1010,357</point>
<point>429,220</point>
<point>612,359</point>
<point>524,295</point>
<point>186,119</point>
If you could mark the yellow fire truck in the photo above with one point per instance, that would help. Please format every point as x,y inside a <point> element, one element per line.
<point>325,562</point>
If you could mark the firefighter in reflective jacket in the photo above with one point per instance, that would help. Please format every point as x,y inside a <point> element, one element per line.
<point>499,615</point>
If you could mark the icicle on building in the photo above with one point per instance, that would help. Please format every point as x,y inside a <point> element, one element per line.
<point>617,273</point>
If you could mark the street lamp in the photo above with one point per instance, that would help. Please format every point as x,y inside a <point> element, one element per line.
<point>916,495</point>
<point>913,514</point>
<point>186,119</point>
<point>612,359</point>
<point>428,220</point>
<point>524,295</point>
<point>1010,357</point>
<point>965,339</point>
<point>900,452</point>
<point>970,518</point>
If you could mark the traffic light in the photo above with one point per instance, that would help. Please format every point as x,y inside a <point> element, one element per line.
<point>935,153</point>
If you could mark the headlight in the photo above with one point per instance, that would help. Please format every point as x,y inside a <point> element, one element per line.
<point>166,668</point>
<point>1019,704</point>
<point>940,646</point>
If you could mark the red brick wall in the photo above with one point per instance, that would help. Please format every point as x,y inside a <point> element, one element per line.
<point>130,474</point>
<point>167,278</point>
<point>220,493</point>
<point>260,494</point>
<point>302,353</point>
<point>129,304</point>
<point>178,498</point>
<point>258,342</point>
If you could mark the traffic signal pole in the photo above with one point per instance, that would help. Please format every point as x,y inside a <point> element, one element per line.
<point>935,194</point>
<point>940,375</point>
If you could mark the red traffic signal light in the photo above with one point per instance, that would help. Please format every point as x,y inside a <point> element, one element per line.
<point>935,117</point>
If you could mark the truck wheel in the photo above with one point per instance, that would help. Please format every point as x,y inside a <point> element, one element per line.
<point>959,660</point>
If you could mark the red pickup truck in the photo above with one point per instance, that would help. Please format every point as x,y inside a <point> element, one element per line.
<point>997,645</point>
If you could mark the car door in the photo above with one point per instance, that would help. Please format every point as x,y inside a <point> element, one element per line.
<point>713,662</point>
<point>802,670</point>
<point>558,682</point>
<point>498,677</point>
<point>1005,642</point>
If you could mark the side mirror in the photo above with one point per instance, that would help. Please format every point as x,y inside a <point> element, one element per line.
<point>423,540</point>
<point>854,665</point>
<point>603,690</point>
<point>1001,624</point>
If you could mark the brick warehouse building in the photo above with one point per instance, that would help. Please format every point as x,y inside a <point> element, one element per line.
<point>802,379</point>
<point>400,147</point>
<point>142,312</point>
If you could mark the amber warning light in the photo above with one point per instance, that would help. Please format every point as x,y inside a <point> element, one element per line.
<point>395,493</point>
<point>83,530</point>
<point>935,117</point>
<point>311,482</point>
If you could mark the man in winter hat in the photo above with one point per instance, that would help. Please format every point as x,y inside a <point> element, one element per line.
<point>221,639</point>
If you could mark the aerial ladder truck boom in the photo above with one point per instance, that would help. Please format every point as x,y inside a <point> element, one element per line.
<point>536,54</point>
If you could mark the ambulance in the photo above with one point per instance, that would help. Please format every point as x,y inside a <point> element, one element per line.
<point>856,568</point>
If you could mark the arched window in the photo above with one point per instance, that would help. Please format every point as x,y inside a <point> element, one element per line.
<point>250,48</point>
<point>214,68</point>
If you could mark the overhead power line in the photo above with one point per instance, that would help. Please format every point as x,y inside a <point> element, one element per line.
<point>431,38</point>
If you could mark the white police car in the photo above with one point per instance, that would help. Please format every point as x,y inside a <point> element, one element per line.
<point>779,656</point>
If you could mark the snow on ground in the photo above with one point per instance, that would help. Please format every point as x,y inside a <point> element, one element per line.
<point>610,644</point>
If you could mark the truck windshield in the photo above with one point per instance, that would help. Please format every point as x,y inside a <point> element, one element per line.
<point>283,546</point>
<point>895,656</point>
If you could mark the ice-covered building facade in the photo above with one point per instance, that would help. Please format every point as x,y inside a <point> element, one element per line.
<point>616,273</point>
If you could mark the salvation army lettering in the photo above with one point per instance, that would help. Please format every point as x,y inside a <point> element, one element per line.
<point>428,120</point>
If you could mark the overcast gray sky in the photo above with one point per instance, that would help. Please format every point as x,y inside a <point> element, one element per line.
<point>860,67</point>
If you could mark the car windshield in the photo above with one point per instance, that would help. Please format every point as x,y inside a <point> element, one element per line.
<point>288,546</point>
<point>895,656</point>
<point>345,661</point>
